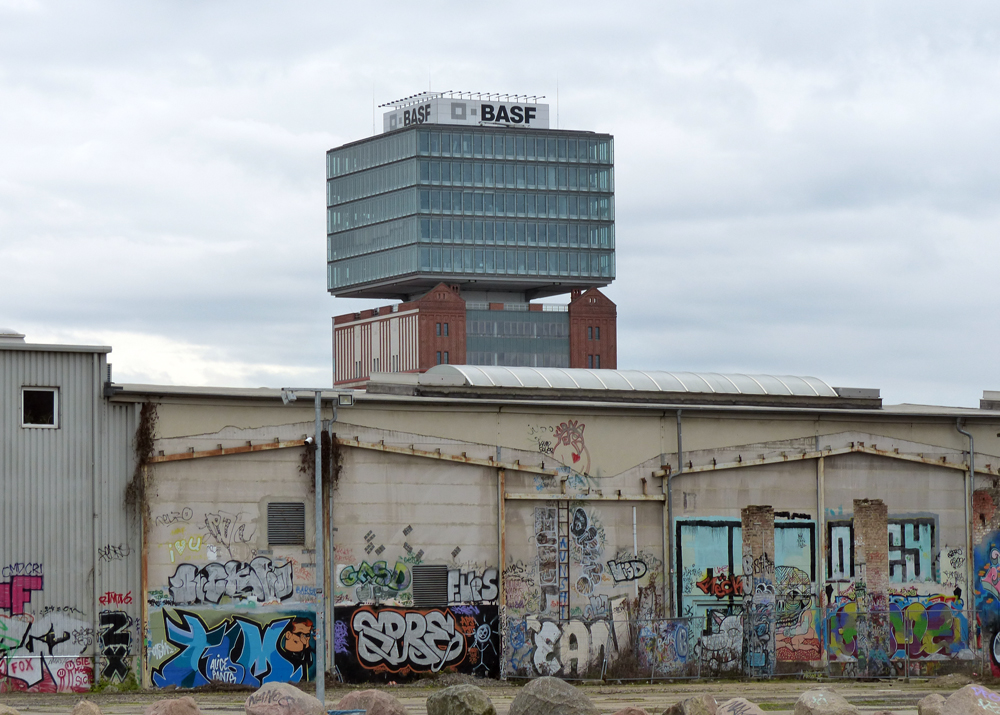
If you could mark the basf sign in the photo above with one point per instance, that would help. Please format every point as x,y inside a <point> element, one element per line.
<point>474,112</point>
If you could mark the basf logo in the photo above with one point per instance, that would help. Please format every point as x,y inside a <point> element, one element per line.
<point>445,110</point>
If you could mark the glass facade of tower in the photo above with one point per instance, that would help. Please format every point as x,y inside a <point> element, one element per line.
<point>502,209</point>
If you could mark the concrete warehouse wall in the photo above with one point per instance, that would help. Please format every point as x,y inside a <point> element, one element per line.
<point>431,570</point>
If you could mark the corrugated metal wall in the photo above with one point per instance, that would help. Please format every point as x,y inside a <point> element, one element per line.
<point>48,550</point>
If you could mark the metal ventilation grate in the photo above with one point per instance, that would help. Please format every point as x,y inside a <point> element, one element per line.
<point>286,523</point>
<point>430,586</point>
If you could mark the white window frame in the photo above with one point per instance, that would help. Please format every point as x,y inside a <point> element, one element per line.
<point>55,406</point>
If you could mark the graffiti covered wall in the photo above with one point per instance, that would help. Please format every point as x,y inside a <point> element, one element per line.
<point>225,605</point>
<point>390,643</point>
<point>197,646</point>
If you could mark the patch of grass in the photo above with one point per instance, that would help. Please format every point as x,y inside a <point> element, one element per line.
<point>129,685</point>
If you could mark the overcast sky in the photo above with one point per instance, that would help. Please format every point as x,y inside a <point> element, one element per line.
<point>801,188</point>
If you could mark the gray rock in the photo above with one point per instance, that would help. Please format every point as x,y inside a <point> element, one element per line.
<point>281,699</point>
<point>972,699</point>
<point>739,706</point>
<point>460,700</point>
<point>698,705</point>
<point>173,706</point>
<point>374,701</point>
<point>551,696</point>
<point>820,701</point>
<point>931,705</point>
<point>86,707</point>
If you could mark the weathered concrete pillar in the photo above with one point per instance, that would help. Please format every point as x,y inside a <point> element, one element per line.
<point>758,590</point>
<point>871,560</point>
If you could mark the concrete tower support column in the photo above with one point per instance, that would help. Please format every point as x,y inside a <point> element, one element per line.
<point>871,558</point>
<point>758,590</point>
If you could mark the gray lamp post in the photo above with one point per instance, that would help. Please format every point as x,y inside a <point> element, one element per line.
<point>340,399</point>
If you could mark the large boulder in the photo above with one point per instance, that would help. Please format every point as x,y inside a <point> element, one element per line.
<point>86,707</point>
<point>460,700</point>
<point>374,701</point>
<point>933,704</point>
<point>972,699</point>
<point>698,705</point>
<point>173,706</point>
<point>551,696</point>
<point>739,706</point>
<point>281,699</point>
<point>820,701</point>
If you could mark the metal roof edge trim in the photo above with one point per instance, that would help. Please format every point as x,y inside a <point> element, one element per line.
<point>42,347</point>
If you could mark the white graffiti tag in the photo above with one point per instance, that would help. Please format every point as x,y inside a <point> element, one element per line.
<point>418,639</point>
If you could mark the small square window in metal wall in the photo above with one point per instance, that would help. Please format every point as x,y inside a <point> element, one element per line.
<point>430,586</point>
<point>286,523</point>
<point>40,407</point>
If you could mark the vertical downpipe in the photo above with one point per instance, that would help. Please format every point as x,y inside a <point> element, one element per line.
<point>320,592</point>
<point>970,489</point>
<point>331,583</point>
<point>670,511</point>
<point>635,547</point>
<point>97,394</point>
<point>821,547</point>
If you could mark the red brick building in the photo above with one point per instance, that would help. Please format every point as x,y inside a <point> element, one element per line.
<point>434,329</point>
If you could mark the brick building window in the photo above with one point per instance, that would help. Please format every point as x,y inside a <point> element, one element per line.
<point>597,333</point>
<point>597,362</point>
<point>590,361</point>
<point>446,332</point>
<point>438,357</point>
<point>445,357</point>
<point>590,332</point>
<point>438,328</point>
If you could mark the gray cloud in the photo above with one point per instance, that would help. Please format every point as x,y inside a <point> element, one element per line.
<point>799,188</point>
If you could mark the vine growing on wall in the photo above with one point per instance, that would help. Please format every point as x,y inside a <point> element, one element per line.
<point>331,461</point>
<point>136,491</point>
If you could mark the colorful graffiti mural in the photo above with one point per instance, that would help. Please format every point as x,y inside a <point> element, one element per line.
<point>399,643</point>
<point>919,627</point>
<point>246,649</point>
<point>45,654</point>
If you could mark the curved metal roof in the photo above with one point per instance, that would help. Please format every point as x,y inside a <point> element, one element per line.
<point>624,380</point>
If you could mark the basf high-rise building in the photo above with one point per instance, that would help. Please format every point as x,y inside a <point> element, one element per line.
<point>467,208</point>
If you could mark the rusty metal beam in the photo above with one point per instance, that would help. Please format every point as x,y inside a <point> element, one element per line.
<point>550,496</point>
<point>224,451</point>
<point>410,451</point>
<point>356,444</point>
<point>854,448</point>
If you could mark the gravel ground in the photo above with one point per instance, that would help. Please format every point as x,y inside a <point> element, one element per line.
<point>777,696</point>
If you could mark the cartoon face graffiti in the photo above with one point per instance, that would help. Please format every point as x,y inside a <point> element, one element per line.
<point>991,580</point>
<point>295,638</point>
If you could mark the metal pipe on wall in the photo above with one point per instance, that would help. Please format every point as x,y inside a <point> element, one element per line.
<point>332,572</point>
<point>821,540</point>
<point>668,566</point>
<point>635,547</point>
<point>970,488</point>
<point>97,393</point>
<point>320,592</point>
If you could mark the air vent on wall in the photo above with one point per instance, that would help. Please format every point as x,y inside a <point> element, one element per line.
<point>430,586</point>
<point>286,523</point>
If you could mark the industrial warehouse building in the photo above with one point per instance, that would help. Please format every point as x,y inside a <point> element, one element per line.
<point>509,522</point>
